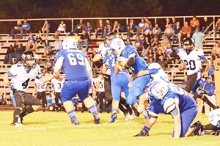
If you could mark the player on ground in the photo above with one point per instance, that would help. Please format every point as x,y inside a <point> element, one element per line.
<point>78,74</point>
<point>175,101</point>
<point>20,75</point>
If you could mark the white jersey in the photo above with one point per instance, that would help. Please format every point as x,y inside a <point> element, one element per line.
<point>214,117</point>
<point>57,84</point>
<point>160,74</point>
<point>103,50</point>
<point>192,60</point>
<point>40,85</point>
<point>21,77</point>
<point>101,84</point>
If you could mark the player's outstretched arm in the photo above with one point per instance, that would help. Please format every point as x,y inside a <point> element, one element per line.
<point>47,78</point>
<point>177,126</point>
<point>5,78</point>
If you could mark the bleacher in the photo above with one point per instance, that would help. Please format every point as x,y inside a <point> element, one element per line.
<point>174,74</point>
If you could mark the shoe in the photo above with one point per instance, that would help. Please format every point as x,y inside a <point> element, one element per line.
<point>75,122</point>
<point>127,116</point>
<point>96,119</point>
<point>143,132</point>
<point>17,124</point>
<point>113,118</point>
<point>131,117</point>
<point>215,133</point>
<point>136,113</point>
<point>198,128</point>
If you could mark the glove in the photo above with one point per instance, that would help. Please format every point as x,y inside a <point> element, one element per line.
<point>201,92</point>
<point>10,84</point>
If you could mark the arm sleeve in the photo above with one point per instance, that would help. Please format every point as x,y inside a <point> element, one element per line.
<point>88,67</point>
<point>12,71</point>
<point>59,63</point>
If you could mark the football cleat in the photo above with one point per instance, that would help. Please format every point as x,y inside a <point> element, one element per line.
<point>113,118</point>
<point>136,113</point>
<point>215,133</point>
<point>17,124</point>
<point>96,119</point>
<point>143,132</point>
<point>127,116</point>
<point>75,122</point>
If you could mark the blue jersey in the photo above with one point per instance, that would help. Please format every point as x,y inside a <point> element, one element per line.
<point>140,63</point>
<point>74,64</point>
<point>208,87</point>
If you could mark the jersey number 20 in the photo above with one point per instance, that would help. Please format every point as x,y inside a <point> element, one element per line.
<point>190,65</point>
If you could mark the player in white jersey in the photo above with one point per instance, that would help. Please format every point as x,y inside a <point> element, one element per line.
<point>57,85</point>
<point>21,74</point>
<point>41,89</point>
<point>100,90</point>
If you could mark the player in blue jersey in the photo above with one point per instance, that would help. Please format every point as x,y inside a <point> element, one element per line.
<point>21,75</point>
<point>175,101</point>
<point>78,74</point>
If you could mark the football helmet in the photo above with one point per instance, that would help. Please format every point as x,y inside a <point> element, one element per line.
<point>188,43</point>
<point>108,38</point>
<point>117,45</point>
<point>158,89</point>
<point>28,59</point>
<point>70,43</point>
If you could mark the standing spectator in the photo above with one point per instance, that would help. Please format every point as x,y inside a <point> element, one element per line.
<point>61,29</point>
<point>47,47</point>
<point>79,27</point>
<point>84,40</point>
<point>46,28</point>
<point>194,23</point>
<point>26,27</point>
<point>88,28</point>
<point>16,30</point>
<point>173,23</point>
<point>198,38</point>
<point>157,31</point>
<point>217,26</point>
<point>131,28</point>
<point>176,33</point>
<point>48,65</point>
<point>186,30</point>
<point>116,27</point>
<point>107,27</point>
<point>99,28</point>
<point>167,22</point>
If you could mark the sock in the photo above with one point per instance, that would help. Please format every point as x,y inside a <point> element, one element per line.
<point>27,111</point>
<point>16,115</point>
<point>146,128</point>
<point>195,96</point>
<point>206,100</point>
<point>114,111</point>
<point>72,115</point>
<point>93,110</point>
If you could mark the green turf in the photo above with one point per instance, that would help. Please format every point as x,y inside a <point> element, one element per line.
<point>54,129</point>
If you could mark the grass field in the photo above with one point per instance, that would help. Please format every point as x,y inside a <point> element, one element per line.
<point>54,129</point>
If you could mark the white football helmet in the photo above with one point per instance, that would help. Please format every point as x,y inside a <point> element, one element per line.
<point>158,89</point>
<point>70,43</point>
<point>118,45</point>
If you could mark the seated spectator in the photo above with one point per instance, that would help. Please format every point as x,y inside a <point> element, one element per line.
<point>147,29</point>
<point>99,28</point>
<point>61,29</point>
<point>57,47</point>
<point>141,26</point>
<point>84,40</point>
<point>148,21</point>
<point>76,36</point>
<point>167,22</point>
<point>18,51</point>
<point>46,28</point>
<point>217,47</point>
<point>150,54</point>
<point>150,36</point>
<point>17,30</point>
<point>88,28</point>
<point>179,47</point>
<point>138,45</point>
<point>162,62</point>
<point>116,27</point>
<point>128,41</point>
<point>9,55</point>
<point>107,27</point>
<point>146,46</point>
<point>194,23</point>
<point>79,27</point>
<point>31,41</point>
<point>38,42</point>
<point>168,31</point>
<point>169,52</point>
<point>131,28</point>
<point>205,26</point>
<point>176,33</point>
<point>198,38</point>
<point>159,53</point>
<point>48,65</point>
<point>155,44</point>
<point>47,47</point>
<point>26,27</point>
<point>214,55</point>
<point>186,30</point>
<point>36,56</point>
<point>150,60</point>
<point>217,26</point>
<point>164,42</point>
<point>157,31</point>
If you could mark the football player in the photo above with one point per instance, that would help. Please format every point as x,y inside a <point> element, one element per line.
<point>21,75</point>
<point>175,101</point>
<point>78,74</point>
<point>192,59</point>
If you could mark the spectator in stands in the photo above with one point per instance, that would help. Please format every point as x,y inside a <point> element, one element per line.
<point>147,29</point>
<point>173,23</point>
<point>159,53</point>
<point>141,26</point>
<point>168,31</point>
<point>138,44</point>
<point>10,53</point>
<point>26,27</point>
<point>217,26</point>
<point>61,29</point>
<point>194,23</point>
<point>179,47</point>
<point>198,38</point>
<point>211,70</point>
<point>76,36</point>
<point>128,41</point>
<point>162,62</point>
<point>167,22</point>
<point>31,41</point>
<point>148,21</point>
<point>107,27</point>
<point>38,42</point>
<point>146,46</point>
<point>47,47</point>
<point>186,30</point>
<point>150,36</point>
<point>84,40</point>
<point>131,28</point>
<point>19,49</point>
<point>217,47</point>
<point>170,54</point>
<point>214,55</point>
<point>150,54</point>
<point>88,28</point>
<point>57,47</point>
<point>48,65</point>
<point>155,44</point>
<point>45,28</point>
<point>157,31</point>
<point>150,60</point>
<point>176,33</point>
<point>164,42</point>
<point>99,28</point>
<point>205,25</point>
<point>36,56</point>
<point>16,30</point>
<point>79,27</point>
<point>116,27</point>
